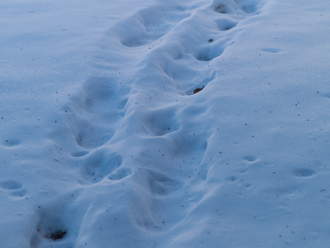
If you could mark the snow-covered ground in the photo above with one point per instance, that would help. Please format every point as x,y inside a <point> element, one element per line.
<point>164,124</point>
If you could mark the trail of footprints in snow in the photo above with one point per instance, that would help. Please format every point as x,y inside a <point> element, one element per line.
<point>150,25</point>
<point>159,25</point>
<point>93,123</point>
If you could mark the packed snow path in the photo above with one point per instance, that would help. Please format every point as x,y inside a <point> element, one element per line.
<point>200,124</point>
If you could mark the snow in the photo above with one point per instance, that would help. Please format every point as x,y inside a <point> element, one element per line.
<point>164,124</point>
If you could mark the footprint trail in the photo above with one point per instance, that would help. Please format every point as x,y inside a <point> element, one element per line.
<point>135,125</point>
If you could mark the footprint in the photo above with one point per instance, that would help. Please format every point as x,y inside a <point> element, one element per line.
<point>160,122</point>
<point>157,183</point>
<point>224,7</point>
<point>50,228</point>
<point>87,133</point>
<point>155,195</point>
<point>232,179</point>
<point>120,174</point>
<point>162,185</point>
<point>100,89</point>
<point>150,24</point>
<point>250,158</point>
<point>11,142</point>
<point>304,172</point>
<point>10,185</point>
<point>249,6</point>
<point>18,193</point>
<point>225,24</point>
<point>210,52</point>
<point>270,50</point>
<point>93,136</point>
<point>91,120</point>
<point>13,188</point>
<point>99,164</point>
<point>247,185</point>
<point>231,6</point>
<point>79,154</point>
<point>326,95</point>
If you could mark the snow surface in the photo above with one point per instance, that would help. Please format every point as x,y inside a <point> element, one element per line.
<point>164,123</point>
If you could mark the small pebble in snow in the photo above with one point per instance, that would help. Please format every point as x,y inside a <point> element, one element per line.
<point>57,235</point>
<point>198,90</point>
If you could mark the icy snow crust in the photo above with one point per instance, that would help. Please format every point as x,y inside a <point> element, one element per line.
<point>165,124</point>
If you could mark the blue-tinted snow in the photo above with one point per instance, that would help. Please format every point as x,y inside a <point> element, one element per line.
<point>164,124</point>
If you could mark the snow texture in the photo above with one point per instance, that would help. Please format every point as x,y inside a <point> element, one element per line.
<point>164,123</point>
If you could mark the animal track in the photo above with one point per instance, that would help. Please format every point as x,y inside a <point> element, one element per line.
<point>92,124</point>
<point>11,142</point>
<point>250,158</point>
<point>160,122</point>
<point>99,164</point>
<point>93,137</point>
<point>10,185</point>
<point>270,50</point>
<point>158,183</point>
<point>231,6</point>
<point>50,228</point>
<point>150,24</point>
<point>225,24</point>
<point>79,154</point>
<point>209,53</point>
<point>154,192</point>
<point>232,179</point>
<point>249,6</point>
<point>223,8</point>
<point>304,172</point>
<point>13,188</point>
<point>326,95</point>
<point>120,174</point>
<point>162,185</point>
